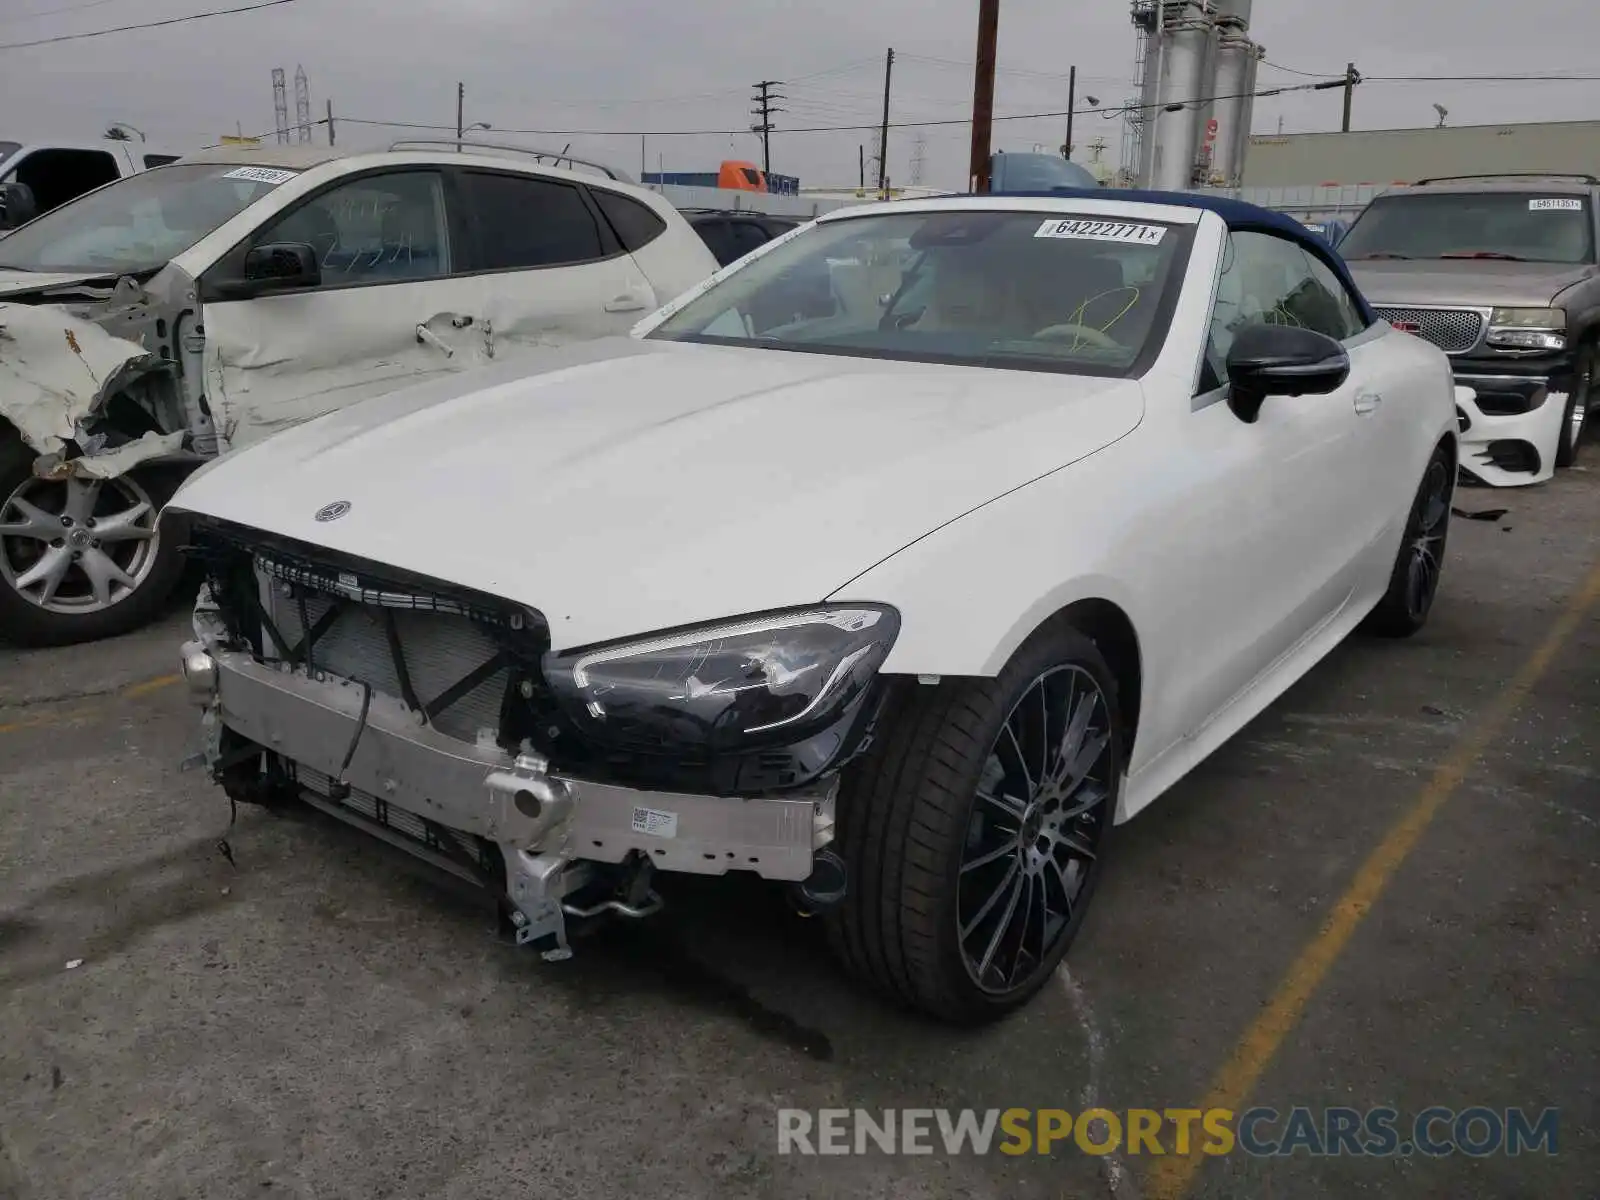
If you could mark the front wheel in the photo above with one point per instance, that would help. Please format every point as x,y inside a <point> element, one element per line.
<point>1577,411</point>
<point>1414,579</point>
<point>976,828</point>
<point>80,559</point>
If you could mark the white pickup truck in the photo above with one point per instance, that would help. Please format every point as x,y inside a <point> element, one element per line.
<point>54,171</point>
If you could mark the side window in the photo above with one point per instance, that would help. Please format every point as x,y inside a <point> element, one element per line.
<point>1269,280</point>
<point>56,176</point>
<point>748,236</point>
<point>386,228</point>
<point>527,222</point>
<point>634,224</point>
<point>159,160</point>
<point>717,234</point>
<point>1342,309</point>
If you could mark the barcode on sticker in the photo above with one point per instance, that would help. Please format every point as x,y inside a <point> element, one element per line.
<point>1563,204</point>
<point>655,822</point>
<point>1103,231</point>
<point>261,175</point>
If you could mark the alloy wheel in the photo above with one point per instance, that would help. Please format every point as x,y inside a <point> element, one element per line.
<point>1427,539</point>
<point>1042,806</point>
<point>77,546</point>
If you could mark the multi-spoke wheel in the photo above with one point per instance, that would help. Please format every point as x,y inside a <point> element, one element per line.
<point>80,559</point>
<point>975,830</point>
<point>1414,581</point>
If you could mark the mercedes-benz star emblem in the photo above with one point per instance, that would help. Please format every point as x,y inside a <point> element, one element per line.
<point>332,512</point>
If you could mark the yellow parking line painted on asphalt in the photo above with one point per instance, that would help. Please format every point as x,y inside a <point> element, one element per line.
<point>1171,1178</point>
<point>149,685</point>
<point>132,691</point>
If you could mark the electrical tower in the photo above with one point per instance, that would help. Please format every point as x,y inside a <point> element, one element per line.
<point>763,110</point>
<point>302,105</point>
<point>280,104</point>
<point>918,158</point>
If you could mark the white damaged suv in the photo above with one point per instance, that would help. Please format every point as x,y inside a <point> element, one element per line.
<point>195,308</point>
<point>897,563</point>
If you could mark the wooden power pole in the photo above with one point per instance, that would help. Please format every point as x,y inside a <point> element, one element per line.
<point>883,132</point>
<point>983,93</point>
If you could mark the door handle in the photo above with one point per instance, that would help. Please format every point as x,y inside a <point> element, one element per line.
<point>629,303</point>
<point>1366,402</point>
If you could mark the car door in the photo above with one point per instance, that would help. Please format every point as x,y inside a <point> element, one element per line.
<point>392,306</point>
<point>550,268</point>
<point>1268,508</point>
<point>1382,491</point>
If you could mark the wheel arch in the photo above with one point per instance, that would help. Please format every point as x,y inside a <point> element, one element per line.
<point>1104,622</point>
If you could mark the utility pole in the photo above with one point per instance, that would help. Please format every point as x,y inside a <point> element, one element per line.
<point>1351,78</point>
<point>983,93</point>
<point>461,100</point>
<point>764,109</point>
<point>330,122</point>
<point>1072,103</point>
<point>883,132</point>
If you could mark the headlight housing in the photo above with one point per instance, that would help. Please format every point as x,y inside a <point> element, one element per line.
<point>1528,329</point>
<point>758,681</point>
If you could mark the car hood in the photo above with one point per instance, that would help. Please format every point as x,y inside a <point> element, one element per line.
<point>628,485</point>
<point>18,283</point>
<point>1471,282</point>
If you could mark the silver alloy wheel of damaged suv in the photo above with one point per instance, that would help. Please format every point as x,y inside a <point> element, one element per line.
<point>80,558</point>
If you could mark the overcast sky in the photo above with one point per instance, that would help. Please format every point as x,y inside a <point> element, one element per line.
<point>641,65</point>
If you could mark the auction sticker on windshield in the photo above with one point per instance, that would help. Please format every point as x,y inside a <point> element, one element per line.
<point>1103,231</point>
<point>261,174</point>
<point>1565,204</point>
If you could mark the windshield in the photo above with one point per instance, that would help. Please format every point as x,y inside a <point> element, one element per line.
<point>1516,226</point>
<point>974,287</point>
<point>139,223</point>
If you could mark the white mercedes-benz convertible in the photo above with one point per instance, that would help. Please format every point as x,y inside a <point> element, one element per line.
<point>899,561</point>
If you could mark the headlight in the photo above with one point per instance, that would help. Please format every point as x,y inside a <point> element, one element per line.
<point>1528,328</point>
<point>769,680</point>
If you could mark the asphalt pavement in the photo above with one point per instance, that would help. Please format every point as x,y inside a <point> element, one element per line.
<point>1383,892</point>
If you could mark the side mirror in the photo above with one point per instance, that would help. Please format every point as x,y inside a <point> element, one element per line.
<point>282,265</point>
<point>272,267</point>
<point>18,205</point>
<point>1281,360</point>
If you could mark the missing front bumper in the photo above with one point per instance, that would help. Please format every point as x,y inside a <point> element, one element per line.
<point>366,758</point>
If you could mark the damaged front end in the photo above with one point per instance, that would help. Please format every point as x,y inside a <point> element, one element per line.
<point>101,375</point>
<point>424,714</point>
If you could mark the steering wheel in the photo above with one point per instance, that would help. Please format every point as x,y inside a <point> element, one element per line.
<point>1083,333</point>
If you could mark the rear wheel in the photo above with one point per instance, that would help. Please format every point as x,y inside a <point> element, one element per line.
<point>1414,581</point>
<point>1576,417</point>
<point>80,559</point>
<point>975,831</point>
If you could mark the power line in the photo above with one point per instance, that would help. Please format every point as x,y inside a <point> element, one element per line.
<point>1106,111</point>
<point>1541,77</point>
<point>55,12</point>
<point>94,33</point>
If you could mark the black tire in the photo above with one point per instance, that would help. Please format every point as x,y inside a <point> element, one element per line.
<point>24,622</point>
<point>907,814</point>
<point>1574,420</point>
<point>1414,580</point>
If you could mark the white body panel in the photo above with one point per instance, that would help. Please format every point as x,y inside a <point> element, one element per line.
<point>630,487</point>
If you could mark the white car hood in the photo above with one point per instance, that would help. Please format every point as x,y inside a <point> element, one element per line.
<point>627,486</point>
<point>17,283</point>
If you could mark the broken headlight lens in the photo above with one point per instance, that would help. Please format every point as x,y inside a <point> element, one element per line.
<point>761,681</point>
